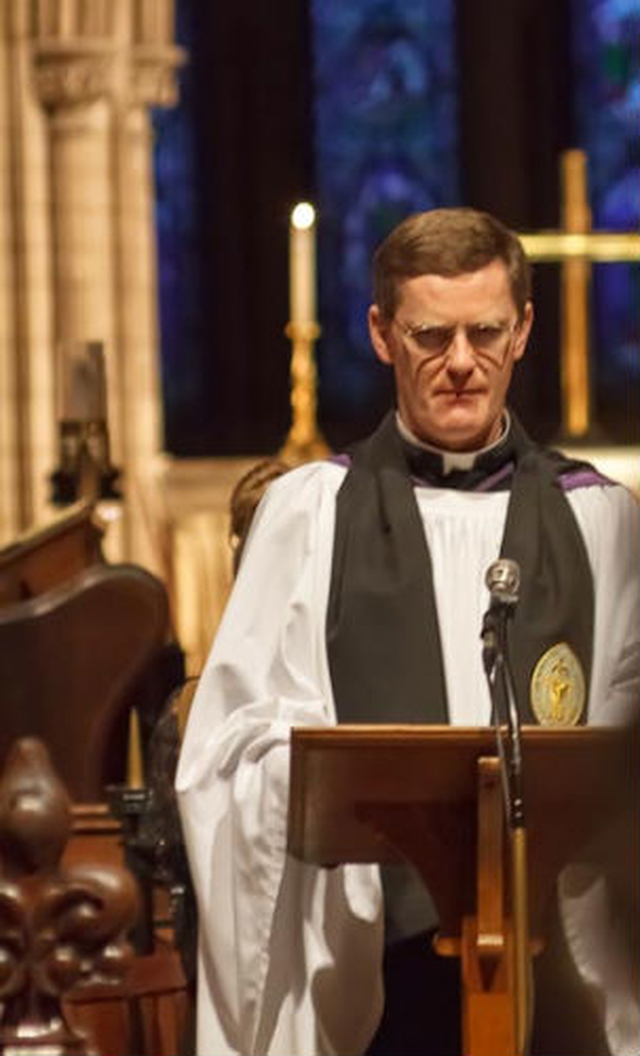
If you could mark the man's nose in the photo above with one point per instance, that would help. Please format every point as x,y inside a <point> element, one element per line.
<point>460,354</point>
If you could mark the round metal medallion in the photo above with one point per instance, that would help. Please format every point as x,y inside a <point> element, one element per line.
<point>557,687</point>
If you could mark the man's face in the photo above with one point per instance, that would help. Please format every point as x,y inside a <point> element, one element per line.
<point>452,343</point>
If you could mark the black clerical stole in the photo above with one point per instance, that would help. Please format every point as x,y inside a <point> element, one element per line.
<point>383,639</point>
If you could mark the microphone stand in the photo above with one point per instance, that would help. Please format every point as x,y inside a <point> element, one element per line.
<point>505,713</point>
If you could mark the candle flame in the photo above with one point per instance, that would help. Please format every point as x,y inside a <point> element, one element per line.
<point>303,216</point>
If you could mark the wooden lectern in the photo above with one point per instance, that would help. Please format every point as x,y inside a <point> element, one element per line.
<point>432,796</point>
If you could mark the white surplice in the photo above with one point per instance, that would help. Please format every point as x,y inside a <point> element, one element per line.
<point>290,954</point>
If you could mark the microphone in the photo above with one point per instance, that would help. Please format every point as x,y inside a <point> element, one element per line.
<point>502,579</point>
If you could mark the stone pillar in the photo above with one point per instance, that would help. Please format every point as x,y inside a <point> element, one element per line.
<point>74,79</point>
<point>10,504</point>
<point>150,82</point>
<point>26,375</point>
<point>98,66</point>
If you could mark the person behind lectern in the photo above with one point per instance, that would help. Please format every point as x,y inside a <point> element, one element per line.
<point>360,598</point>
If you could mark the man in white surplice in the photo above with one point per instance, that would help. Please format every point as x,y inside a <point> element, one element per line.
<point>290,954</point>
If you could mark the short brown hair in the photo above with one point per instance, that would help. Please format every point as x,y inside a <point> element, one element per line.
<point>447,242</point>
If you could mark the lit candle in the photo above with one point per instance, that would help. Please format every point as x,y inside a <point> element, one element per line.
<point>302,264</point>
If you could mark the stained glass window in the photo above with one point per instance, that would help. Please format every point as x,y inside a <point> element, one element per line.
<point>605,40</point>
<point>385,145</point>
<point>177,232</point>
<point>386,142</point>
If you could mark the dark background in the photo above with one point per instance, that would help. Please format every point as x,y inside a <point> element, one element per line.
<point>248,93</point>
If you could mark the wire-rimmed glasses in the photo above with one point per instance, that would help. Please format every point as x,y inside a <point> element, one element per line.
<point>490,339</point>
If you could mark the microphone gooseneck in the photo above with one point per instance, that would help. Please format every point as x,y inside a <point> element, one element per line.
<point>502,579</point>
<point>503,582</point>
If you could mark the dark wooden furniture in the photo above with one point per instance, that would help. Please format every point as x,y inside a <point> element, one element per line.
<point>82,641</point>
<point>45,557</point>
<point>61,925</point>
<point>151,1010</point>
<point>71,982</point>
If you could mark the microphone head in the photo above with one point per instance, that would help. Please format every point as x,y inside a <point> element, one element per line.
<point>503,581</point>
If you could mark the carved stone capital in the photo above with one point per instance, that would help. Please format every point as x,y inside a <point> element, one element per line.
<point>153,74</point>
<point>73,72</point>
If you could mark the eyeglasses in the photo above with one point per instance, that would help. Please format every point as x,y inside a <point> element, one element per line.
<point>487,339</point>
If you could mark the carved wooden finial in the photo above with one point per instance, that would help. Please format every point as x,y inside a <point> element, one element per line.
<point>59,928</point>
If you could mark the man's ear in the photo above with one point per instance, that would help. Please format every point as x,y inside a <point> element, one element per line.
<point>523,331</point>
<point>378,334</point>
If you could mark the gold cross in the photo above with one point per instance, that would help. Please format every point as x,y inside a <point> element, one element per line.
<point>577,247</point>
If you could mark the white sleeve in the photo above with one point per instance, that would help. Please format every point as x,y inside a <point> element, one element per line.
<point>266,673</point>
<point>608,518</point>
<point>595,946</point>
<point>609,521</point>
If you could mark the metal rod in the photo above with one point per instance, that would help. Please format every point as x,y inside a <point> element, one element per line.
<point>521,950</point>
<point>505,715</point>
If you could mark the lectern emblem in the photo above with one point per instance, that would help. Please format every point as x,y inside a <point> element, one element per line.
<point>557,687</point>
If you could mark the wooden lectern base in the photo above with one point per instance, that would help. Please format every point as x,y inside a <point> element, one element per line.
<point>432,796</point>
<point>495,1003</point>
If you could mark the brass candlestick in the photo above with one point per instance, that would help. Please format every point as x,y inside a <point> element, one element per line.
<point>304,440</point>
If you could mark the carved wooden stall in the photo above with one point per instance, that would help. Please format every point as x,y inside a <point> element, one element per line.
<point>85,644</point>
<point>60,925</point>
<point>81,642</point>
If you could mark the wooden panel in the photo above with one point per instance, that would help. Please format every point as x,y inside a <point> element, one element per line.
<point>377,793</point>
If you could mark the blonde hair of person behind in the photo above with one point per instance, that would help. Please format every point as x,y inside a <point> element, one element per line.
<point>245,498</point>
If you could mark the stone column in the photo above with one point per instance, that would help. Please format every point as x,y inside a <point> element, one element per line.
<point>74,79</point>
<point>10,513</point>
<point>98,66</point>
<point>77,243</point>
<point>26,377</point>
<point>151,82</point>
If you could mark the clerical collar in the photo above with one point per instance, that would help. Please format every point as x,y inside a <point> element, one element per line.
<point>457,469</point>
<point>450,460</point>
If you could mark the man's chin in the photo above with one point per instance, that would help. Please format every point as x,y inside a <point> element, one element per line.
<point>461,430</point>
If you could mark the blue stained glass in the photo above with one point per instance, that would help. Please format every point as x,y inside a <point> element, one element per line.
<point>606,38</point>
<point>385,145</point>
<point>177,232</point>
